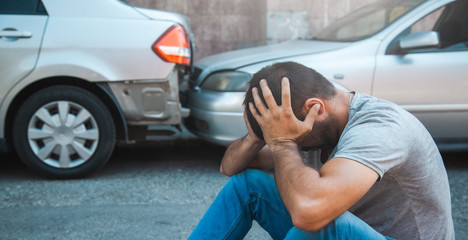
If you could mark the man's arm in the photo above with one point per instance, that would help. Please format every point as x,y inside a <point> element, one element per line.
<point>312,198</point>
<point>246,152</point>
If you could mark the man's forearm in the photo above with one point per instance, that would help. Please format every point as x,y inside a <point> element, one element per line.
<point>289,170</point>
<point>239,155</point>
<point>294,179</point>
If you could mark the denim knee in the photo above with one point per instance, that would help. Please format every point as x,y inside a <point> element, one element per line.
<point>348,226</point>
<point>344,220</point>
<point>251,180</point>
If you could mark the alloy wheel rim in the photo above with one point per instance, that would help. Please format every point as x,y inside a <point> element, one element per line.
<point>63,134</point>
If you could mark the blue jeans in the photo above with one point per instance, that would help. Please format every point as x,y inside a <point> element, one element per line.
<point>252,195</point>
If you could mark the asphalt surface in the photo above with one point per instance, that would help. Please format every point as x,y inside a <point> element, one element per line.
<point>150,191</point>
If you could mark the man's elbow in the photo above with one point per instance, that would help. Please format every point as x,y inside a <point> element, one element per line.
<point>307,226</point>
<point>224,172</point>
<point>308,218</point>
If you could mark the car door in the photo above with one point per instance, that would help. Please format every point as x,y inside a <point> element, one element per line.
<point>432,83</point>
<point>22,24</point>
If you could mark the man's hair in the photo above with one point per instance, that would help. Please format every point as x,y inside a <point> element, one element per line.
<point>304,82</point>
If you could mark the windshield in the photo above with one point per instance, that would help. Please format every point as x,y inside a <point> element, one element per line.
<point>366,21</point>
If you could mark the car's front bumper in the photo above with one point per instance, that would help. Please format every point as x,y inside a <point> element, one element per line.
<point>216,127</point>
<point>216,117</point>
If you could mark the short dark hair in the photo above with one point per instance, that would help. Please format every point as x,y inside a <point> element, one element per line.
<point>304,82</point>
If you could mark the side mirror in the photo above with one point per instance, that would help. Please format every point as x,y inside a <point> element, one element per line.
<point>419,40</point>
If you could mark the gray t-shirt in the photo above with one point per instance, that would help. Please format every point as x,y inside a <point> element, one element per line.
<point>411,200</point>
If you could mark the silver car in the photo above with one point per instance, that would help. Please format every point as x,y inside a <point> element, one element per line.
<point>411,52</point>
<point>78,75</point>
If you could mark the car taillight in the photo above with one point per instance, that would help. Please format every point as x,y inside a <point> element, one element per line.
<point>173,46</point>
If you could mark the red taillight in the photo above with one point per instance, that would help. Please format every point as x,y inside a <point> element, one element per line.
<point>173,46</point>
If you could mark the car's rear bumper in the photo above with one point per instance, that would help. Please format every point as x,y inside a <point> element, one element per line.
<point>150,102</point>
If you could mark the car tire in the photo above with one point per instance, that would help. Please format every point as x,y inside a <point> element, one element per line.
<point>64,132</point>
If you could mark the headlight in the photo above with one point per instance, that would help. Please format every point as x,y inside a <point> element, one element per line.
<point>228,81</point>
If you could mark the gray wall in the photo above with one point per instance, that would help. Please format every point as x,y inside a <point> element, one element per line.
<point>224,25</point>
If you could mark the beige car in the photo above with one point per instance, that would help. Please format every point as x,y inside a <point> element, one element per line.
<point>78,75</point>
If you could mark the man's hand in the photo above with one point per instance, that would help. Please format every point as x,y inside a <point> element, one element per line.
<point>278,123</point>
<point>250,133</point>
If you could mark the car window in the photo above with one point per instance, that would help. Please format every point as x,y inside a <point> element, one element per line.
<point>428,22</point>
<point>450,21</point>
<point>366,21</point>
<point>22,7</point>
<point>453,26</point>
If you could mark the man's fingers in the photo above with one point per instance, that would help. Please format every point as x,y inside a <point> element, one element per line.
<point>285,93</point>
<point>312,114</point>
<point>269,99</point>
<point>254,112</point>
<point>258,101</point>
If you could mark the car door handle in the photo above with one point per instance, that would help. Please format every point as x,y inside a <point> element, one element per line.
<point>338,76</point>
<point>15,34</point>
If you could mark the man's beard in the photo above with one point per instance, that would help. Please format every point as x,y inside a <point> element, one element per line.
<point>327,134</point>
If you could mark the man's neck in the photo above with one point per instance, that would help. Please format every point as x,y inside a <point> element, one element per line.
<point>340,108</point>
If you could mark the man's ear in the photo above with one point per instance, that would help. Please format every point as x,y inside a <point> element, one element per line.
<point>309,103</point>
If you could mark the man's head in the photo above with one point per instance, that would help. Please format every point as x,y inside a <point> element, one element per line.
<point>305,83</point>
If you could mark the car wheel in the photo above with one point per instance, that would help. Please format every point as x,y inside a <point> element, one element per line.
<point>64,132</point>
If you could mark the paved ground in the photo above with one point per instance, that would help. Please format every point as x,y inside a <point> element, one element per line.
<point>155,191</point>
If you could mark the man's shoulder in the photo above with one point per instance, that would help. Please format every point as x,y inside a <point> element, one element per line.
<point>381,134</point>
<point>369,109</point>
<point>363,101</point>
<point>372,118</point>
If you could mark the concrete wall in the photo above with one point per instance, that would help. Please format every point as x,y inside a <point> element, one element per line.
<point>224,25</point>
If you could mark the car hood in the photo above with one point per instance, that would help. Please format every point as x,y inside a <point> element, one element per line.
<point>244,57</point>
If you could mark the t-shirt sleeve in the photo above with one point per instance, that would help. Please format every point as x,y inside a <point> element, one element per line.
<point>374,140</point>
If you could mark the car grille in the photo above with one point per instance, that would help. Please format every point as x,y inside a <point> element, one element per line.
<point>197,125</point>
<point>193,78</point>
